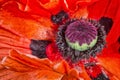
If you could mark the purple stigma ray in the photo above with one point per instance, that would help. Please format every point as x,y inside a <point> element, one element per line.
<point>81,31</point>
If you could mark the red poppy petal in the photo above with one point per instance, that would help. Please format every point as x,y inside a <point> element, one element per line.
<point>34,68</point>
<point>15,65</point>
<point>53,53</point>
<point>62,67</point>
<point>112,9</point>
<point>97,9</point>
<point>28,28</point>
<point>17,35</point>
<point>33,7</point>
<point>111,62</point>
<point>73,5</point>
<point>72,75</point>
<point>107,8</point>
<point>2,2</point>
<point>17,71</point>
<point>53,6</point>
<point>82,12</point>
<point>6,74</point>
<point>41,7</point>
<point>30,60</point>
<point>10,39</point>
<point>114,33</point>
<point>84,74</point>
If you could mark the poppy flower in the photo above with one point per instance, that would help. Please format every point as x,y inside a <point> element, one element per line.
<point>59,40</point>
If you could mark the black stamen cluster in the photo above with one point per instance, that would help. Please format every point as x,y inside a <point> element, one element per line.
<point>74,55</point>
<point>107,23</point>
<point>59,17</point>
<point>38,48</point>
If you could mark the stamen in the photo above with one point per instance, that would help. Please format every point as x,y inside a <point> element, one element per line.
<point>75,55</point>
<point>38,48</point>
<point>107,22</point>
<point>59,17</point>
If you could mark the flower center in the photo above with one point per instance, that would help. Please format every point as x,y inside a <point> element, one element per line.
<point>79,39</point>
<point>81,35</point>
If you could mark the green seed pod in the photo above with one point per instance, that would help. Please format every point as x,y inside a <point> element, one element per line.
<point>81,35</point>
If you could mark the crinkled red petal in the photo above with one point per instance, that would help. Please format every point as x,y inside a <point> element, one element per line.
<point>53,53</point>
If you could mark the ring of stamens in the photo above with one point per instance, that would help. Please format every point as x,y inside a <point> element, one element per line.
<point>75,55</point>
